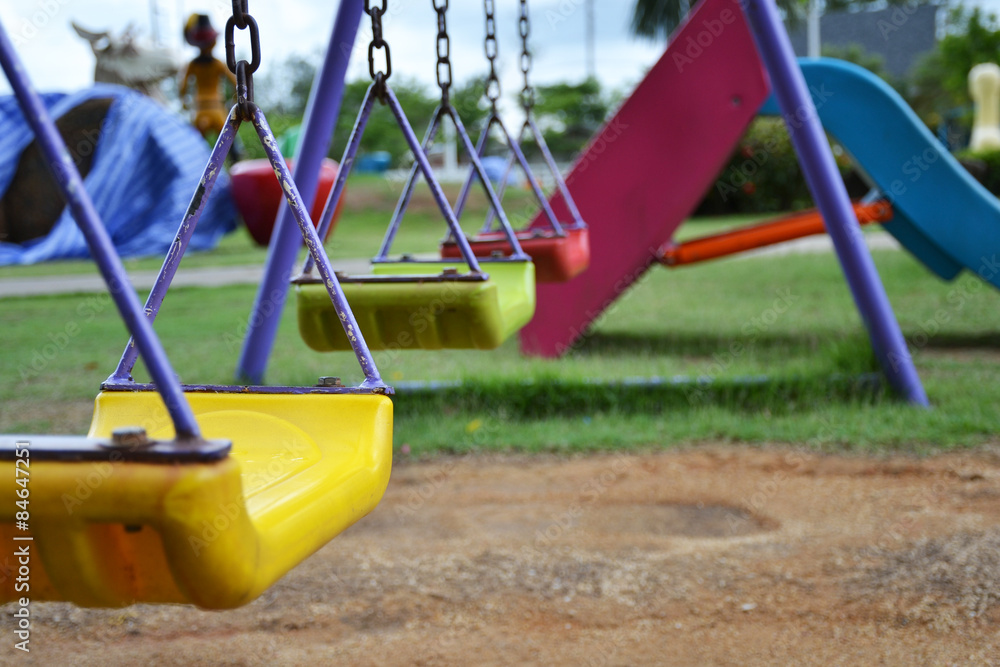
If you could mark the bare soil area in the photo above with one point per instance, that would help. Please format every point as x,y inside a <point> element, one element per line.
<point>712,556</point>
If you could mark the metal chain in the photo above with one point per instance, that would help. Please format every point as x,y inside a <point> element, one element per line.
<point>378,43</point>
<point>240,10</point>
<point>524,27</point>
<point>443,49</point>
<point>490,45</point>
<point>243,70</point>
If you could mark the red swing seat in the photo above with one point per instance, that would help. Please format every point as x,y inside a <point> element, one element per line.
<point>556,258</point>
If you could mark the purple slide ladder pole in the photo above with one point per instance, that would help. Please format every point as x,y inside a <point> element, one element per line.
<point>319,122</point>
<point>99,242</point>
<point>831,198</point>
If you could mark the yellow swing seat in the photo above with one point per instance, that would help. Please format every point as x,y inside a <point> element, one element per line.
<point>303,467</point>
<point>428,313</point>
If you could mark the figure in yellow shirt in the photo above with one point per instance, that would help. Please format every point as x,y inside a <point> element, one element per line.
<point>208,73</point>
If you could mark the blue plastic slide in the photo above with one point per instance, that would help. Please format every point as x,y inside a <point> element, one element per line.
<point>941,214</point>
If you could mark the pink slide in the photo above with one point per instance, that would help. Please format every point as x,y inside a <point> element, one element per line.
<point>648,168</point>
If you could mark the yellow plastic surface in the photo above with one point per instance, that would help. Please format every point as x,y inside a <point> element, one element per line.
<point>303,468</point>
<point>424,315</point>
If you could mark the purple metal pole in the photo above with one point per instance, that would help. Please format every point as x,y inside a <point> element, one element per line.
<point>495,206</point>
<point>543,201</point>
<point>514,148</point>
<point>315,246</point>
<point>574,212</point>
<point>320,119</point>
<point>425,167</point>
<point>101,247</point>
<point>830,195</point>
<point>408,187</point>
<point>346,166</point>
<point>463,194</point>
<point>184,233</point>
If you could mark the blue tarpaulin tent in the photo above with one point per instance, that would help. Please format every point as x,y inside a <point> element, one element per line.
<point>146,167</point>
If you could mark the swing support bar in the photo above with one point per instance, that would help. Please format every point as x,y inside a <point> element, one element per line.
<point>121,379</point>
<point>475,156</point>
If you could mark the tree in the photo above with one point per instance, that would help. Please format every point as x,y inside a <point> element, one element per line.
<point>285,90</point>
<point>469,100</point>
<point>382,132</point>
<point>570,114</point>
<point>939,86</point>
<point>418,101</point>
<point>854,53</point>
<point>656,19</point>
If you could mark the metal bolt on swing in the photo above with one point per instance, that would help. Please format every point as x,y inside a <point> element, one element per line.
<point>130,436</point>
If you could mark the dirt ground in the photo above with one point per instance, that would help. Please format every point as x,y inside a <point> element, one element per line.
<point>712,556</point>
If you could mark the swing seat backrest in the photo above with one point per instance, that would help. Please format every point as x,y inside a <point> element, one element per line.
<point>108,534</point>
<point>424,314</point>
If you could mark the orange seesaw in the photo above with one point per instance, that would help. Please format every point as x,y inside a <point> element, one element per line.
<point>794,226</point>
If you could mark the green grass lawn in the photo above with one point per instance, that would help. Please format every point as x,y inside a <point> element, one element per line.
<point>801,375</point>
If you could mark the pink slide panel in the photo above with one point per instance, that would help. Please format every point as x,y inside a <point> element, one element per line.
<point>648,168</point>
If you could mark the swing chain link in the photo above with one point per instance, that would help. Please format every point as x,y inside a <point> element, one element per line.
<point>243,70</point>
<point>443,49</point>
<point>240,10</point>
<point>490,45</point>
<point>524,27</point>
<point>378,43</point>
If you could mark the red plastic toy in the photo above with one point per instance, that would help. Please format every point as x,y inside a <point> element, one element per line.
<point>258,195</point>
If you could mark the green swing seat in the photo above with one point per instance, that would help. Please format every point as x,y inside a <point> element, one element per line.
<point>406,305</point>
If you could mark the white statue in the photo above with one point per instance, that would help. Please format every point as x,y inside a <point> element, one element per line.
<point>984,87</point>
<point>121,60</point>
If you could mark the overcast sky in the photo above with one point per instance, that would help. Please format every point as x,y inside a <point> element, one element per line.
<point>57,59</point>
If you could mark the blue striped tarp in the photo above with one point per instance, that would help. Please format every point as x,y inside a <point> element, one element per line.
<point>145,169</point>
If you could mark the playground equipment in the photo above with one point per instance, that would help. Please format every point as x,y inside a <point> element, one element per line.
<point>147,508</point>
<point>713,63</point>
<point>941,214</point>
<point>559,252</point>
<point>412,303</point>
<point>641,168</point>
<point>258,195</point>
<point>787,228</point>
